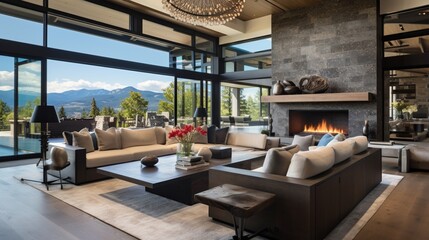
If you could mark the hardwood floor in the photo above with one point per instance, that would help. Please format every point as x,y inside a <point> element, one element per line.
<point>27,213</point>
<point>404,214</point>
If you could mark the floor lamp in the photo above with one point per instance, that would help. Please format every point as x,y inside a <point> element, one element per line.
<point>43,115</point>
<point>200,113</point>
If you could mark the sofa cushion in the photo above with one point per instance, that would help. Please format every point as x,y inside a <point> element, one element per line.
<point>272,142</point>
<point>104,158</point>
<point>83,139</point>
<point>199,138</point>
<point>160,135</point>
<point>343,150</point>
<point>168,129</point>
<point>326,138</point>
<point>306,164</point>
<point>138,152</point>
<point>138,137</point>
<point>221,135</point>
<point>303,141</point>
<point>211,134</point>
<point>277,160</point>
<point>68,137</point>
<point>253,140</point>
<point>292,148</point>
<point>109,139</point>
<point>361,144</point>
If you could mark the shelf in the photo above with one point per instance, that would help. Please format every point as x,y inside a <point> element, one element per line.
<point>320,97</point>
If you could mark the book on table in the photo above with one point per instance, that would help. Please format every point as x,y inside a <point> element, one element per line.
<point>183,167</point>
<point>190,159</point>
<point>186,163</point>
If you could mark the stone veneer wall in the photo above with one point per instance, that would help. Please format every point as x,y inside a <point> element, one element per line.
<point>336,39</point>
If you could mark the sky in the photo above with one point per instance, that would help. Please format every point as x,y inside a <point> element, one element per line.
<point>64,76</point>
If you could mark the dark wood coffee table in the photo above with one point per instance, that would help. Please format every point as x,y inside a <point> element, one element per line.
<point>166,180</point>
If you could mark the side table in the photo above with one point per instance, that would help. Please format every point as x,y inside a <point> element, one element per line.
<point>389,149</point>
<point>240,202</point>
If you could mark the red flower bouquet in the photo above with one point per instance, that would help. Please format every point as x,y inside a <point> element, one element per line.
<point>185,135</point>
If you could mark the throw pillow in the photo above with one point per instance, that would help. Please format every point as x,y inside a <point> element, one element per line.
<point>343,150</point>
<point>160,135</point>
<point>306,164</point>
<point>68,137</point>
<point>292,148</point>
<point>211,134</point>
<point>221,134</point>
<point>361,144</point>
<point>199,138</point>
<point>138,137</point>
<point>340,137</point>
<point>303,141</point>
<point>108,140</point>
<point>168,129</point>
<point>276,161</point>
<point>83,139</point>
<point>94,140</point>
<point>325,140</point>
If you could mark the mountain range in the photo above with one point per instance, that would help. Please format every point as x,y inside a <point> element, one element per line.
<point>75,101</point>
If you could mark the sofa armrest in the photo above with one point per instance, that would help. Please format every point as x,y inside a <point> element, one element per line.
<point>77,158</point>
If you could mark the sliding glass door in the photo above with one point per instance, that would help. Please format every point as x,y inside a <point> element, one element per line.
<point>20,84</point>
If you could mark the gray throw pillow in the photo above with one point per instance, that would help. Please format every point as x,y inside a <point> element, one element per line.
<point>211,134</point>
<point>277,160</point>
<point>221,134</point>
<point>303,141</point>
<point>68,137</point>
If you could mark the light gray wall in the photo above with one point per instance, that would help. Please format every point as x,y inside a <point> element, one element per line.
<point>336,40</point>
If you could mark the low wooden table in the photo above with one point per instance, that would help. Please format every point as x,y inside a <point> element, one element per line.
<point>239,201</point>
<point>166,180</point>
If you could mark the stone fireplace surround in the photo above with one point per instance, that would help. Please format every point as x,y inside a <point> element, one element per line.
<point>336,40</point>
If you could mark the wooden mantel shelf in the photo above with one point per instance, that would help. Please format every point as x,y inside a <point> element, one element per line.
<point>320,97</point>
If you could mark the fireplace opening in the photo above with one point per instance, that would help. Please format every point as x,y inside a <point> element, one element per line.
<point>318,122</point>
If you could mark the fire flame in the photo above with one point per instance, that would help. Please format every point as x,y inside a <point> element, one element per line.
<point>322,127</point>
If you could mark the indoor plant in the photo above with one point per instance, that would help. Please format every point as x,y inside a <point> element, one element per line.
<point>185,135</point>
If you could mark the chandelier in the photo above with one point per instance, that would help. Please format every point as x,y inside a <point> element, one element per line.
<point>204,12</point>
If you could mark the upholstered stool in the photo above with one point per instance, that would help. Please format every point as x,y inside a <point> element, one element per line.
<point>57,162</point>
<point>418,157</point>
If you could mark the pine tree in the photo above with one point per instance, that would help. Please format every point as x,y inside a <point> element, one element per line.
<point>167,105</point>
<point>243,103</point>
<point>107,111</point>
<point>62,112</point>
<point>94,109</point>
<point>226,102</point>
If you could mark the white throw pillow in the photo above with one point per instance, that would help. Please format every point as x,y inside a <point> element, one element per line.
<point>343,150</point>
<point>306,164</point>
<point>277,160</point>
<point>138,137</point>
<point>83,139</point>
<point>361,144</point>
<point>303,141</point>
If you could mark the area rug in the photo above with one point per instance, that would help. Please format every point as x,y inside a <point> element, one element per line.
<point>130,208</point>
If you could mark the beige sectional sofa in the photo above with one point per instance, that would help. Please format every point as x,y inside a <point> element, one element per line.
<point>123,145</point>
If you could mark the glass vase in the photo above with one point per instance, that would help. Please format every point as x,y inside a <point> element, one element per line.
<point>184,149</point>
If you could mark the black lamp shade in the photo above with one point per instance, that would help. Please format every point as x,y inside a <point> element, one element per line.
<point>200,112</point>
<point>44,114</point>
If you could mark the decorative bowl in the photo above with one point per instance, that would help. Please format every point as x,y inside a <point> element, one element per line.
<point>149,161</point>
